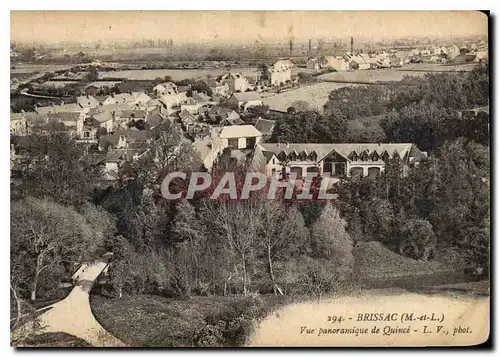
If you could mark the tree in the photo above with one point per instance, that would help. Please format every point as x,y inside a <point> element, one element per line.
<point>237,223</point>
<point>283,235</point>
<point>428,126</point>
<point>330,241</point>
<point>47,239</point>
<point>58,169</point>
<point>189,234</point>
<point>418,240</point>
<point>301,106</point>
<point>92,75</point>
<point>264,73</point>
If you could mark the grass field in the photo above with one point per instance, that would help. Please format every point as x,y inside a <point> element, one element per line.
<point>176,74</point>
<point>369,76</point>
<point>155,321</point>
<point>315,94</point>
<point>393,74</point>
<point>434,67</point>
<point>31,68</point>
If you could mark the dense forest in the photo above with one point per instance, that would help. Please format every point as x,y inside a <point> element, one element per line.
<point>438,211</point>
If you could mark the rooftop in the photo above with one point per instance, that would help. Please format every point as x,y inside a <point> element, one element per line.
<point>239,131</point>
<point>345,150</point>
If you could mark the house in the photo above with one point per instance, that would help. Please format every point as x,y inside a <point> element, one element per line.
<point>71,107</point>
<point>192,106</point>
<point>218,115</point>
<point>481,56</point>
<point>88,132</point>
<point>241,101</point>
<point>358,62</point>
<point>126,116</point>
<point>218,88</point>
<point>167,88</point>
<point>334,160</point>
<point>231,118</point>
<point>71,120</point>
<point>183,89</point>
<point>172,101</point>
<point>187,119</point>
<point>313,63</point>
<point>236,82</point>
<point>200,98</point>
<point>106,119</point>
<point>240,136</point>
<point>118,98</point>
<point>209,149</point>
<point>126,139</point>
<point>87,101</point>
<point>395,61</point>
<point>154,118</point>
<point>18,124</point>
<point>140,98</point>
<point>152,104</point>
<point>338,64</point>
<point>281,72</point>
<point>34,120</point>
<point>266,127</point>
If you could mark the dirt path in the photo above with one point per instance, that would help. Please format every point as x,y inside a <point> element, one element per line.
<point>73,315</point>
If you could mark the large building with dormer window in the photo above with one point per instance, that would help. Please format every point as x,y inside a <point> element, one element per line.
<point>332,160</point>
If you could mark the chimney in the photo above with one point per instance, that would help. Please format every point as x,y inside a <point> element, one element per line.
<point>287,145</point>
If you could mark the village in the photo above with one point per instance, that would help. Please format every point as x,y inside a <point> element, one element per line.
<point>220,114</point>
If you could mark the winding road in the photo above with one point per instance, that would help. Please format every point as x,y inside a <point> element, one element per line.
<point>73,314</point>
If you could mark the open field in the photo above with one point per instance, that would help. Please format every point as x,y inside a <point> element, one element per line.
<point>393,74</point>
<point>176,74</point>
<point>435,67</point>
<point>315,94</point>
<point>32,68</point>
<point>369,76</point>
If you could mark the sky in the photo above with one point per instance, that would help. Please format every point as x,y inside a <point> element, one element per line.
<point>192,26</point>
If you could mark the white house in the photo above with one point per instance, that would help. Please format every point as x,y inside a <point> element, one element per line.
<point>281,72</point>
<point>167,88</point>
<point>244,100</point>
<point>209,149</point>
<point>87,101</point>
<point>240,136</point>
<point>236,82</point>
<point>118,99</point>
<point>18,124</point>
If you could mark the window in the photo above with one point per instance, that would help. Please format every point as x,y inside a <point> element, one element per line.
<point>373,171</point>
<point>340,169</point>
<point>327,167</point>
<point>232,143</point>
<point>357,171</point>
<point>86,134</point>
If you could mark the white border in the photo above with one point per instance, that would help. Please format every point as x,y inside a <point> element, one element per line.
<point>186,5</point>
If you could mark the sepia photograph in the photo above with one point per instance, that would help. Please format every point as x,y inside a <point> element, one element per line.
<point>223,179</point>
